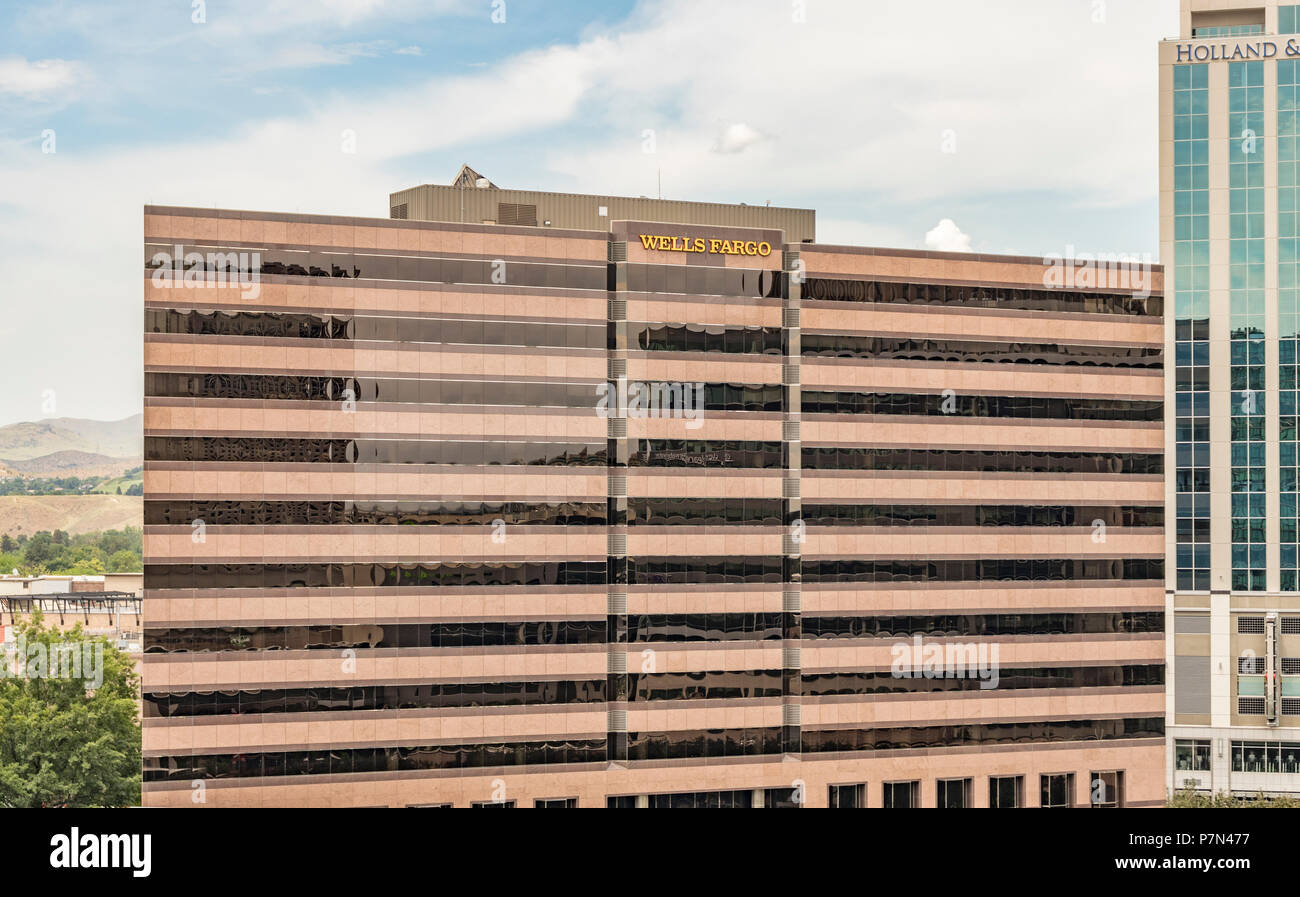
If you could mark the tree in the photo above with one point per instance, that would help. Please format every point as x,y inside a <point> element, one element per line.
<point>6,544</point>
<point>111,551</point>
<point>41,549</point>
<point>114,540</point>
<point>85,560</point>
<point>124,561</point>
<point>67,742</point>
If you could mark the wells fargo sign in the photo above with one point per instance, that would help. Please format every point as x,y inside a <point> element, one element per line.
<point>701,244</point>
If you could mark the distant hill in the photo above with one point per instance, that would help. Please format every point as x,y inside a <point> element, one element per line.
<point>62,447</point>
<point>31,440</point>
<point>71,513</point>
<point>69,464</point>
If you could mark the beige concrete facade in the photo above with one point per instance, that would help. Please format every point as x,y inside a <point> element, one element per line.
<point>1043,544</point>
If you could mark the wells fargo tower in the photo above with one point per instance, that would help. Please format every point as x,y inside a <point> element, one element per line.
<point>402,550</point>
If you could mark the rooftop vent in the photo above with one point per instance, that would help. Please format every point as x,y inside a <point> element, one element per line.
<point>517,213</point>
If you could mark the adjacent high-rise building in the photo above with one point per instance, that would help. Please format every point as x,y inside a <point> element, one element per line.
<point>545,500</point>
<point>1229,136</point>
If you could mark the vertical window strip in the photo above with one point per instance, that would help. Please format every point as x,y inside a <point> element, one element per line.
<point>1288,301</point>
<point>1192,315</point>
<point>1246,247</point>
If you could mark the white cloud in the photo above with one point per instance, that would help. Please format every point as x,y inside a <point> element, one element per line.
<point>38,79</point>
<point>1038,96</point>
<point>237,36</point>
<point>310,55</point>
<point>736,138</point>
<point>409,51</point>
<point>946,236</point>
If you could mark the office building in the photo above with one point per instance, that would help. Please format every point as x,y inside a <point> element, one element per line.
<point>518,499</point>
<point>1228,137</point>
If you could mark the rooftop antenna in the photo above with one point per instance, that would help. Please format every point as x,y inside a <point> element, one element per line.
<point>661,183</point>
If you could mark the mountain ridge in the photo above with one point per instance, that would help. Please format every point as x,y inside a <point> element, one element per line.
<point>31,440</point>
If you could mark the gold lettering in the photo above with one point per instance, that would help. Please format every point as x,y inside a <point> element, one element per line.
<point>665,243</point>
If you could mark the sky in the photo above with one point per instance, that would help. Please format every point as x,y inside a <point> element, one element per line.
<point>1017,126</point>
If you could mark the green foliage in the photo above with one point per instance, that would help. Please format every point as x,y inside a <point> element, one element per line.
<point>65,742</point>
<point>124,561</point>
<point>47,485</point>
<point>115,540</point>
<point>1194,800</point>
<point>40,549</point>
<point>109,551</point>
<point>129,483</point>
